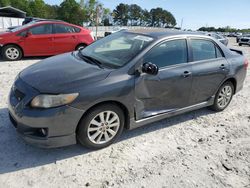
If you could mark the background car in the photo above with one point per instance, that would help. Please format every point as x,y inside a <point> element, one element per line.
<point>31,19</point>
<point>220,38</point>
<point>244,40</point>
<point>43,38</point>
<point>241,36</point>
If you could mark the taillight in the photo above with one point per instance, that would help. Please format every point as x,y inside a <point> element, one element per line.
<point>246,64</point>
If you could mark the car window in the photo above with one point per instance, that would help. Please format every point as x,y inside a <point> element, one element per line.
<point>168,53</point>
<point>202,49</point>
<point>217,36</point>
<point>117,49</point>
<point>41,29</point>
<point>218,52</point>
<point>121,43</point>
<point>61,28</point>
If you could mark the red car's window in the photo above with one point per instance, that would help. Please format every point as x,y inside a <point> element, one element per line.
<point>41,29</point>
<point>61,28</point>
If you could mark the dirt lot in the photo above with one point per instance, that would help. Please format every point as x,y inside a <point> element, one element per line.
<point>197,149</point>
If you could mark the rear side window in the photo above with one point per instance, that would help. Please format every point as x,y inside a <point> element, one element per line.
<point>41,29</point>
<point>61,28</point>
<point>168,53</point>
<point>204,50</point>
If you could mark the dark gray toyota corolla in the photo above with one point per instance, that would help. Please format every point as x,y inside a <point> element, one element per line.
<point>125,80</point>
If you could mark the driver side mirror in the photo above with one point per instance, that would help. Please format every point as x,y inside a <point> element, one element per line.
<point>150,68</point>
<point>27,34</point>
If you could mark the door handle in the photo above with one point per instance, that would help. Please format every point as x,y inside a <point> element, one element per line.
<point>186,74</point>
<point>222,66</point>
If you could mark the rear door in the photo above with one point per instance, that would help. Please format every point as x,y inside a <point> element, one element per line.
<point>169,90</point>
<point>40,41</point>
<point>209,69</point>
<point>65,38</point>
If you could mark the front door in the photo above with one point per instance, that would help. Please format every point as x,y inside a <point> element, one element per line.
<point>169,90</point>
<point>39,41</point>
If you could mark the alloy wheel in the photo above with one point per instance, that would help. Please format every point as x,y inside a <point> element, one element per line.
<point>12,53</point>
<point>225,96</point>
<point>103,127</point>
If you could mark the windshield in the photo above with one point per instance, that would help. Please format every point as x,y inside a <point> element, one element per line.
<point>117,49</point>
<point>23,27</point>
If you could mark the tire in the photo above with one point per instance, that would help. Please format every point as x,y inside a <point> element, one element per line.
<point>94,133</point>
<point>12,53</point>
<point>240,44</point>
<point>80,46</point>
<point>223,97</point>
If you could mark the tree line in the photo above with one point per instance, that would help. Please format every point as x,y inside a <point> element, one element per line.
<point>224,29</point>
<point>92,12</point>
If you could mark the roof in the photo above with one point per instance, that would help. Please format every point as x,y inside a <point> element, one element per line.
<point>161,32</point>
<point>10,11</point>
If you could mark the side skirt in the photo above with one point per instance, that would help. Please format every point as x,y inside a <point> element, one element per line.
<point>135,124</point>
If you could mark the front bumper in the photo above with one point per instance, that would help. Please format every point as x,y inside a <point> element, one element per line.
<point>244,42</point>
<point>47,128</point>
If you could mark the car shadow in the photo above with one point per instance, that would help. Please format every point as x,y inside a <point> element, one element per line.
<point>17,155</point>
<point>26,58</point>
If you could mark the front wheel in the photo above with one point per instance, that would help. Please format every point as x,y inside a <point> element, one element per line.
<point>223,97</point>
<point>11,53</point>
<point>101,126</point>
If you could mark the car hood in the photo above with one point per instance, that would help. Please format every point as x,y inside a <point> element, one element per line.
<point>5,33</point>
<point>62,74</point>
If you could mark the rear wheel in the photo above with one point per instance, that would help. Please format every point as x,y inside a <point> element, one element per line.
<point>240,44</point>
<point>12,53</point>
<point>223,97</point>
<point>101,126</point>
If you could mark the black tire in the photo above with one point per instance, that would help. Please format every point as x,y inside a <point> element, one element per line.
<point>240,44</point>
<point>216,106</point>
<point>80,46</point>
<point>17,53</point>
<point>82,133</point>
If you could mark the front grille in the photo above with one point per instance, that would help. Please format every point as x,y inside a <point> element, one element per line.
<point>244,40</point>
<point>18,94</point>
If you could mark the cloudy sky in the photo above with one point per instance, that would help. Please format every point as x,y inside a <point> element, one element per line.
<point>195,13</point>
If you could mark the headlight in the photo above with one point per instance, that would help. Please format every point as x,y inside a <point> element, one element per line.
<point>49,101</point>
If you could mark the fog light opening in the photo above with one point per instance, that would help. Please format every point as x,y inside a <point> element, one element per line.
<point>43,132</point>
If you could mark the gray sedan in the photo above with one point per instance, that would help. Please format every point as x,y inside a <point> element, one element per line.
<point>125,80</point>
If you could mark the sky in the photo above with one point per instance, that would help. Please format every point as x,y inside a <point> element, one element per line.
<point>194,13</point>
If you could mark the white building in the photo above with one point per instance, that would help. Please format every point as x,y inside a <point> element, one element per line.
<point>10,16</point>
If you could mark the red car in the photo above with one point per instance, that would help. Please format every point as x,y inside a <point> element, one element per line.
<point>43,38</point>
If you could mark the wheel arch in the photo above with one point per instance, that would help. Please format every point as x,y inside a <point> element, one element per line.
<point>232,80</point>
<point>14,45</point>
<point>117,103</point>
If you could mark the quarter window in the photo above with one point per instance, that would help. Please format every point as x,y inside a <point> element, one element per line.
<point>204,49</point>
<point>168,53</point>
<point>41,29</point>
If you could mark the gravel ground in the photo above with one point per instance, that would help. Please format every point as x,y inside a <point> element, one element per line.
<point>197,149</point>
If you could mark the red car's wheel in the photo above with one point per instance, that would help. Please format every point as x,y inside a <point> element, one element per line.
<point>11,53</point>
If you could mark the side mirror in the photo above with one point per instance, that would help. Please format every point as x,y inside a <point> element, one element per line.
<point>28,33</point>
<point>150,68</point>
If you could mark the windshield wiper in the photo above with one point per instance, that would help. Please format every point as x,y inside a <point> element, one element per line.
<point>90,59</point>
